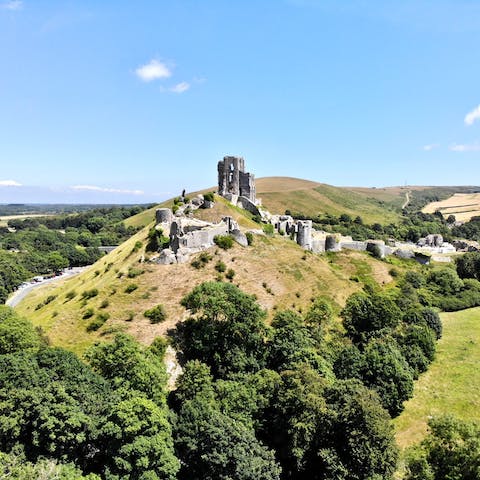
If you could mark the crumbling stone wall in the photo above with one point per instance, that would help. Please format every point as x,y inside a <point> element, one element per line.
<point>233,180</point>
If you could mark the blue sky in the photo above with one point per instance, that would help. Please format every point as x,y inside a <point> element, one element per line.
<point>134,101</point>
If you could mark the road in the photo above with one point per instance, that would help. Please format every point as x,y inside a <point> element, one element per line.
<point>407,199</point>
<point>23,291</point>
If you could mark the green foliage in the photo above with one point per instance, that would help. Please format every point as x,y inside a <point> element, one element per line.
<point>98,322</point>
<point>131,287</point>
<point>87,294</point>
<point>268,229</point>
<point>209,196</point>
<point>224,241</point>
<point>156,240</point>
<point>105,303</point>
<point>226,330</point>
<point>450,451</point>
<point>138,245</point>
<point>138,440</point>
<point>156,314</point>
<point>212,446</point>
<point>220,266</point>
<point>201,260</point>
<point>468,265</point>
<point>159,347</point>
<point>71,295</point>
<point>134,272</point>
<point>230,274</point>
<point>88,313</point>
<point>367,315</point>
<point>16,333</point>
<point>130,366</point>
<point>249,236</point>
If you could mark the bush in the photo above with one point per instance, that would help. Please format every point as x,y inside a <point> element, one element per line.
<point>223,241</point>
<point>209,197</point>
<point>249,236</point>
<point>230,274</point>
<point>105,303</point>
<point>220,266</point>
<point>156,314</point>
<point>138,245</point>
<point>268,229</point>
<point>89,293</point>
<point>131,288</point>
<point>71,294</point>
<point>89,312</point>
<point>98,322</point>
<point>134,272</point>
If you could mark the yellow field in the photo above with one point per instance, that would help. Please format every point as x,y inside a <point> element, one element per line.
<point>463,205</point>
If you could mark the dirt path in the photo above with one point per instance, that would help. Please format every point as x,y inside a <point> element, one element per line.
<point>407,199</point>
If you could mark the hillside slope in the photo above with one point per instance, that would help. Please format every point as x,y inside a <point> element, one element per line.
<point>452,382</point>
<point>310,198</point>
<point>277,270</point>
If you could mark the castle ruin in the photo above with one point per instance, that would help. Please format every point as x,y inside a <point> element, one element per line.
<point>234,181</point>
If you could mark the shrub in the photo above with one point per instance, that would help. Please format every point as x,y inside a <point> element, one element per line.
<point>138,245</point>
<point>50,299</point>
<point>209,197</point>
<point>89,312</point>
<point>220,266</point>
<point>130,316</point>
<point>249,236</point>
<point>201,260</point>
<point>268,229</point>
<point>131,288</point>
<point>90,293</point>
<point>71,294</point>
<point>224,241</point>
<point>134,272</point>
<point>105,303</point>
<point>156,314</point>
<point>230,274</point>
<point>98,322</point>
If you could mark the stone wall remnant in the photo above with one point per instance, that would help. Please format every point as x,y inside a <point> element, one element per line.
<point>234,181</point>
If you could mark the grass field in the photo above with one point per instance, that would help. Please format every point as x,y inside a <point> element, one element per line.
<point>311,198</point>
<point>452,383</point>
<point>463,205</point>
<point>4,220</point>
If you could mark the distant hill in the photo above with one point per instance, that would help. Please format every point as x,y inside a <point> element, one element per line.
<point>310,198</point>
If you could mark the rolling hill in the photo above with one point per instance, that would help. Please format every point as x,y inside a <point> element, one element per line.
<point>277,270</point>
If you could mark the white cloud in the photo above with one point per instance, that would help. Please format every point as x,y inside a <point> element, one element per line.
<point>470,117</point>
<point>108,190</point>
<point>472,147</point>
<point>180,87</point>
<point>153,70</point>
<point>12,5</point>
<point>9,183</point>
<point>430,146</point>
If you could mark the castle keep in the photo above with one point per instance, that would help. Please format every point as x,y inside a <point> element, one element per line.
<point>234,181</point>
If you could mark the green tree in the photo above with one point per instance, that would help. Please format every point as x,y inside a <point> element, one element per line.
<point>16,333</point>
<point>212,446</point>
<point>226,330</point>
<point>138,441</point>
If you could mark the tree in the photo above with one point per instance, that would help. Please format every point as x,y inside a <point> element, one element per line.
<point>365,315</point>
<point>212,446</point>
<point>16,333</point>
<point>226,330</point>
<point>468,265</point>
<point>128,365</point>
<point>138,441</point>
<point>450,451</point>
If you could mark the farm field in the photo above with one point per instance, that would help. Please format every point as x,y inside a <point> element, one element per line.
<point>463,205</point>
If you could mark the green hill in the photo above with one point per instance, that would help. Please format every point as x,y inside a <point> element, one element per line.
<point>310,198</point>
<point>277,270</point>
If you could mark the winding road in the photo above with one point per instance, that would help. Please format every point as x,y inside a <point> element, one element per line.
<point>22,292</point>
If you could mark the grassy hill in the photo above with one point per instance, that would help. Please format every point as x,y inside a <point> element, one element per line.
<point>311,198</point>
<point>278,271</point>
<point>463,206</point>
<point>452,382</point>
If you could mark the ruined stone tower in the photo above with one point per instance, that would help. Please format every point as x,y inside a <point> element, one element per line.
<point>233,180</point>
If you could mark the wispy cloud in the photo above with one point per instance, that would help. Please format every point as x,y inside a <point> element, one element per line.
<point>430,146</point>
<point>108,190</point>
<point>12,5</point>
<point>9,183</point>
<point>180,87</point>
<point>472,147</point>
<point>472,116</point>
<point>153,70</point>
